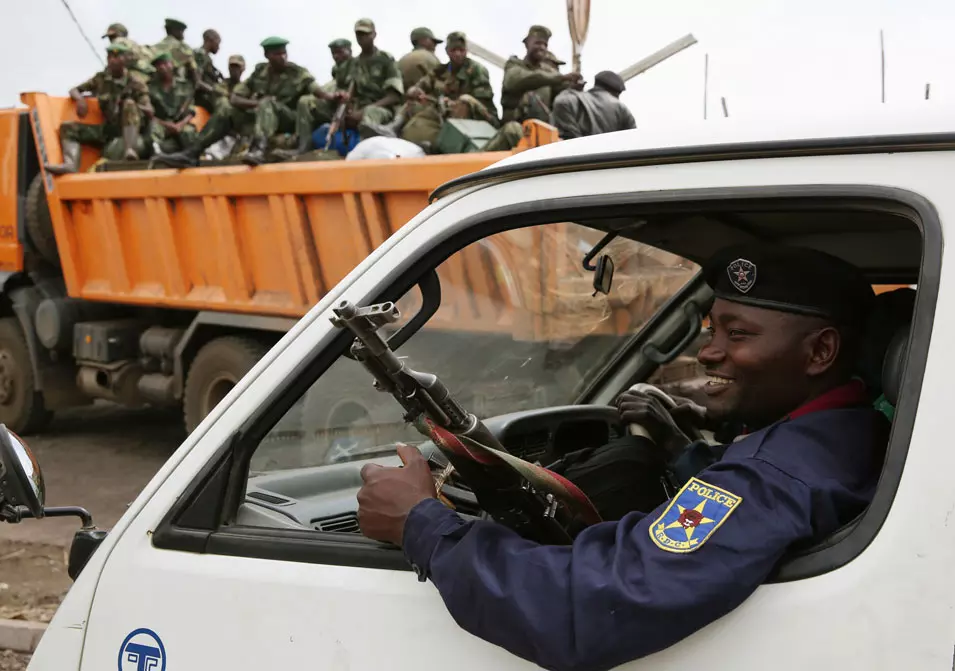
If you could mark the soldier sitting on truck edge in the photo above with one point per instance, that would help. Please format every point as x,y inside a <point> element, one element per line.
<point>421,60</point>
<point>341,53</point>
<point>124,103</point>
<point>236,69</point>
<point>530,86</point>
<point>172,100</point>
<point>785,330</point>
<point>182,54</point>
<point>211,92</point>
<point>460,89</point>
<point>139,58</point>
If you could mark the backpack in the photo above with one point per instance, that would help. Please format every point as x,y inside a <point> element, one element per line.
<point>625,475</point>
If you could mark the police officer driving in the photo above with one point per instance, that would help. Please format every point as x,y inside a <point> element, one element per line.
<point>785,329</point>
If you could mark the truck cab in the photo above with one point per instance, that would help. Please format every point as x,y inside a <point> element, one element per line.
<point>244,550</point>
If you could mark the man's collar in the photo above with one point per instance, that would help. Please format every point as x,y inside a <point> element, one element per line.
<point>850,395</point>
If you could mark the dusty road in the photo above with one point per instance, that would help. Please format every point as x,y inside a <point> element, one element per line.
<point>99,458</point>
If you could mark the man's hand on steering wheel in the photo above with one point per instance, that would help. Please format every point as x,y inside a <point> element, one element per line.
<point>662,424</point>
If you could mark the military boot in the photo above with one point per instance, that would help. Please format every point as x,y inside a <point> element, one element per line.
<point>304,146</point>
<point>256,154</point>
<point>71,159</point>
<point>392,129</point>
<point>130,136</point>
<point>187,158</point>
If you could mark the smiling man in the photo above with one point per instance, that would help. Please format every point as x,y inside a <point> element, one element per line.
<point>785,326</point>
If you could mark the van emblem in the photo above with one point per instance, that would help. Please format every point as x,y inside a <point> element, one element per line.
<point>142,651</point>
<point>742,275</point>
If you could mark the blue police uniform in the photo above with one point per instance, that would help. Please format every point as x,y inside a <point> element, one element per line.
<point>626,589</point>
<point>629,588</point>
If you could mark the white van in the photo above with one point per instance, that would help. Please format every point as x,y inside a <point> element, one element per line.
<point>243,552</point>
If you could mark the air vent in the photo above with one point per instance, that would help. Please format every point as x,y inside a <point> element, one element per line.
<point>340,524</point>
<point>268,498</point>
<point>529,446</point>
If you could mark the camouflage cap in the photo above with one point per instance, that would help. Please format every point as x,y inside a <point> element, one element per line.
<point>175,24</point>
<point>457,39</point>
<point>422,32</point>
<point>116,30</point>
<point>550,56</point>
<point>236,59</point>
<point>117,48</point>
<point>538,31</point>
<point>273,42</point>
<point>161,56</point>
<point>364,26</point>
<point>340,43</point>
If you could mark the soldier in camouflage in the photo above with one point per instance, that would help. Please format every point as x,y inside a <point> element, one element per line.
<point>341,54</point>
<point>421,60</point>
<point>236,69</point>
<point>461,89</point>
<point>211,91</point>
<point>182,54</point>
<point>139,57</point>
<point>530,85</point>
<point>378,85</point>
<point>283,97</point>
<point>124,103</point>
<point>172,101</point>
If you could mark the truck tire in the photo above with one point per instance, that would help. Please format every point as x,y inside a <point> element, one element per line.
<point>21,405</point>
<point>217,368</point>
<point>39,223</point>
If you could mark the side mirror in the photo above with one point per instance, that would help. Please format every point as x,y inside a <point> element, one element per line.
<point>603,275</point>
<point>21,481</point>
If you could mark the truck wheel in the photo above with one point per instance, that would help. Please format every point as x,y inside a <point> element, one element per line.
<point>21,405</point>
<point>39,223</point>
<point>217,368</point>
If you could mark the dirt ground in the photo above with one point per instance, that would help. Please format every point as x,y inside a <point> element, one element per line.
<point>99,457</point>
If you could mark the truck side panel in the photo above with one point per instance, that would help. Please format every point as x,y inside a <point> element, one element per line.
<point>11,251</point>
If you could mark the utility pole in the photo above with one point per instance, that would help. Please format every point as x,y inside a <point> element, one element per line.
<point>726,112</point>
<point>706,82</point>
<point>928,87</point>
<point>882,57</point>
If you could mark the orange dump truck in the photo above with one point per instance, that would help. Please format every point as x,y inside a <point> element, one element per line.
<point>164,286</point>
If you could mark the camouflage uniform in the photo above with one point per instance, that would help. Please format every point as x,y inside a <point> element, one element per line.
<point>139,58</point>
<point>419,62</point>
<point>470,86</point>
<point>182,56</point>
<point>120,102</point>
<point>291,104</point>
<point>527,93</point>
<point>171,104</point>
<point>209,74</point>
<point>373,76</point>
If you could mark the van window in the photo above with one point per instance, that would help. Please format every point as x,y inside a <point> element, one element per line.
<point>518,329</point>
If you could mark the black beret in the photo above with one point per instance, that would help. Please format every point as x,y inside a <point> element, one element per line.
<point>790,279</point>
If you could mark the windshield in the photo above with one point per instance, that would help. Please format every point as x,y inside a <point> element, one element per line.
<point>518,328</point>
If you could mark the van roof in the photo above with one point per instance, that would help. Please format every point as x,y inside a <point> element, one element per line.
<point>880,131</point>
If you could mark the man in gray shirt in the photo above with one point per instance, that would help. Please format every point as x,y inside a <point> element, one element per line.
<point>599,110</point>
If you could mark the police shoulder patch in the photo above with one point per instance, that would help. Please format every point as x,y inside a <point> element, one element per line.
<point>694,514</point>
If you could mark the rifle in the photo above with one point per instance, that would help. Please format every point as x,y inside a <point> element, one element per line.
<point>338,120</point>
<point>536,503</point>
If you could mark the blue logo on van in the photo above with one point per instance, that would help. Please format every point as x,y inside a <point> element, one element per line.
<point>142,651</point>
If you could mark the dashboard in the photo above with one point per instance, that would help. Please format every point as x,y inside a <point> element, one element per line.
<point>324,498</point>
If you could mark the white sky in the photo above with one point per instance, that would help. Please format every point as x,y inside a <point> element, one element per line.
<point>772,59</point>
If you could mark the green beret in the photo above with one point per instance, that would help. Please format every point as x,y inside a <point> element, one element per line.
<point>116,30</point>
<point>117,48</point>
<point>364,26</point>
<point>457,39</point>
<point>175,24</point>
<point>340,43</point>
<point>538,31</point>
<point>162,56</point>
<point>273,43</point>
<point>419,33</point>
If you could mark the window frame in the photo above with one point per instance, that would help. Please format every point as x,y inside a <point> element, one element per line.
<point>201,519</point>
